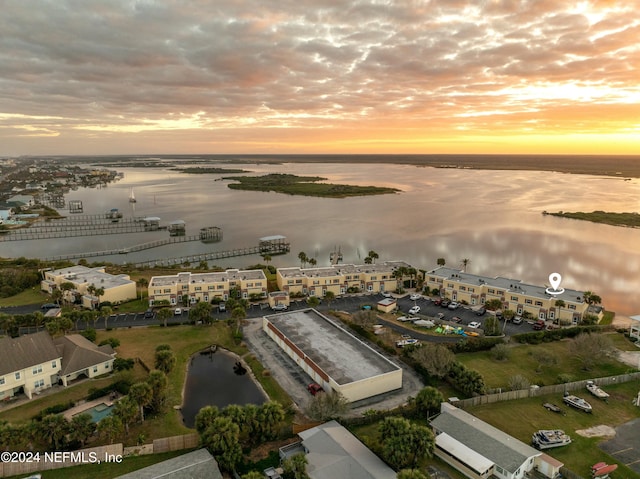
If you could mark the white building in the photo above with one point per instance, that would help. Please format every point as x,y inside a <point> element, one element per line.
<point>331,356</point>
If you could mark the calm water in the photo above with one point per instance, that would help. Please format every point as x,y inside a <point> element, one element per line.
<point>491,217</point>
<point>211,381</point>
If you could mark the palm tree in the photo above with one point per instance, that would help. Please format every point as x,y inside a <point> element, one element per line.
<point>312,262</point>
<point>269,418</point>
<point>329,296</point>
<point>158,382</point>
<point>373,255</point>
<point>142,283</point>
<point>302,256</point>
<point>440,262</point>
<point>164,314</point>
<point>141,394</point>
<point>127,410</point>
<point>266,258</point>
<point>165,361</point>
<point>82,428</point>
<point>111,426</point>
<point>368,260</point>
<point>559,303</point>
<point>464,263</point>
<point>106,311</point>
<point>54,428</point>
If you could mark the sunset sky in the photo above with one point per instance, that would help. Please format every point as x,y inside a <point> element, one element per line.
<point>307,76</point>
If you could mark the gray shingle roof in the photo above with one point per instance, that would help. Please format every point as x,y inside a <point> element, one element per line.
<point>26,351</point>
<point>193,465</point>
<point>79,353</point>
<point>497,446</point>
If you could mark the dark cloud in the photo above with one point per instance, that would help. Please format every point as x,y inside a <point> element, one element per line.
<point>85,68</point>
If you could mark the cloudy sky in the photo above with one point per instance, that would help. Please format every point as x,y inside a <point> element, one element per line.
<point>312,76</point>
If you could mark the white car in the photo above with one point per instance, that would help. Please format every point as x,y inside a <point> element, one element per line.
<point>474,324</point>
<point>404,319</point>
<point>424,323</point>
<point>453,305</point>
<point>414,310</point>
<point>386,294</point>
<point>406,342</point>
<point>415,297</point>
<point>178,312</point>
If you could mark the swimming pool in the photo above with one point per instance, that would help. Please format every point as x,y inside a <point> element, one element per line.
<point>97,412</point>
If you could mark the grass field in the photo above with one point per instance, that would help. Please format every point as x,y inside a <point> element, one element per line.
<point>523,417</point>
<point>26,297</point>
<point>522,361</point>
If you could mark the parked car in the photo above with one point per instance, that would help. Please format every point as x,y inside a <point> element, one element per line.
<point>406,342</point>
<point>480,311</point>
<point>403,319</point>
<point>177,312</point>
<point>440,315</point>
<point>366,307</point>
<point>415,297</point>
<point>414,310</point>
<point>222,307</point>
<point>517,320</point>
<point>314,388</point>
<point>279,307</point>
<point>445,303</point>
<point>539,325</point>
<point>474,324</point>
<point>149,313</point>
<point>456,319</point>
<point>437,301</point>
<point>386,294</point>
<point>49,306</point>
<point>453,305</point>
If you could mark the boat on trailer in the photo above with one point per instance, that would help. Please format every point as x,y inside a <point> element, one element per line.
<point>594,389</point>
<point>602,470</point>
<point>549,438</point>
<point>577,402</point>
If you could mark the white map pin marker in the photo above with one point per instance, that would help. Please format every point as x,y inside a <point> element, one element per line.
<point>555,279</point>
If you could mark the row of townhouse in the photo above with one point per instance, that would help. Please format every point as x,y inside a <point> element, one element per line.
<point>340,278</point>
<point>34,362</point>
<point>117,288</point>
<point>514,294</point>
<point>207,286</point>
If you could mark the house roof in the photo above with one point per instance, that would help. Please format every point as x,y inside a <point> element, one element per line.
<point>488,441</point>
<point>79,353</point>
<point>334,453</point>
<point>197,464</point>
<point>26,351</point>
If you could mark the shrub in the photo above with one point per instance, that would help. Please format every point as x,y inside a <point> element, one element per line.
<point>500,352</point>
<point>471,345</point>
<point>122,364</point>
<point>90,334</point>
<point>55,409</point>
<point>163,347</point>
<point>565,378</point>
<point>113,342</point>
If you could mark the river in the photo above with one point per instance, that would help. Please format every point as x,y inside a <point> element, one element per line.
<point>493,218</point>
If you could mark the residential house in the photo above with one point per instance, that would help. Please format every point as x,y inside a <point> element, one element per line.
<point>333,452</point>
<point>117,288</point>
<point>196,464</point>
<point>634,329</point>
<point>340,278</point>
<point>207,286</point>
<point>34,362</point>
<point>28,363</point>
<point>479,450</point>
<point>513,293</point>
<point>82,357</point>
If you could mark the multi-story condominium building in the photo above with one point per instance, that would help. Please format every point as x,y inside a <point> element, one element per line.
<point>207,286</point>
<point>117,288</point>
<point>514,294</point>
<point>340,278</point>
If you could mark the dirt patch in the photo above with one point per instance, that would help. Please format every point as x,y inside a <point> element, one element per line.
<point>597,431</point>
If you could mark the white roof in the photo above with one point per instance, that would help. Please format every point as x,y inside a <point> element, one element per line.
<point>464,454</point>
<point>635,318</point>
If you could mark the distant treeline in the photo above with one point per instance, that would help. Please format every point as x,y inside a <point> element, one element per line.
<point>631,220</point>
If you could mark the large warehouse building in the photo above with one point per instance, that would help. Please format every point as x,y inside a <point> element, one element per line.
<point>333,357</point>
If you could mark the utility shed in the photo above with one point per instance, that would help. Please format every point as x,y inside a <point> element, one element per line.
<point>332,356</point>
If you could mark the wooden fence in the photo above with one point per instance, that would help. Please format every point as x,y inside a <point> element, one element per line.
<point>545,390</point>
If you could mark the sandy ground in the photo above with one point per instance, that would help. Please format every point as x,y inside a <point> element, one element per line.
<point>597,431</point>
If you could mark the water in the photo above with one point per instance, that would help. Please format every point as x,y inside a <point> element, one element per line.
<point>98,412</point>
<point>492,218</point>
<point>212,380</point>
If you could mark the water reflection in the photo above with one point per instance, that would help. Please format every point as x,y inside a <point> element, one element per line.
<point>217,378</point>
<point>491,217</point>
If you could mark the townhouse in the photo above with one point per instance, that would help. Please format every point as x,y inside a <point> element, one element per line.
<point>117,288</point>
<point>207,286</point>
<point>342,278</point>
<point>514,294</point>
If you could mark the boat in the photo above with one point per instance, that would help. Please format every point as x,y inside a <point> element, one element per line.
<point>132,197</point>
<point>552,407</point>
<point>577,402</point>
<point>548,438</point>
<point>596,391</point>
<point>602,470</point>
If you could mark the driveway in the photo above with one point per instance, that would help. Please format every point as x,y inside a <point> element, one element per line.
<point>625,446</point>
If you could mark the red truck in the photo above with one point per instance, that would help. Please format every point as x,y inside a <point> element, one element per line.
<point>539,325</point>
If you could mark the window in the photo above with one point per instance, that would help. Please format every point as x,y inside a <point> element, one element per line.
<point>1,381</point>
<point>463,288</point>
<point>106,366</point>
<point>17,376</point>
<point>528,301</point>
<point>95,369</point>
<point>54,364</point>
<point>538,303</point>
<point>166,291</point>
<point>552,315</point>
<point>541,315</point>
<point>491,291</point>
<point>472,290</point>
<point>37,369</point>
<point>572,306</point>
<point>374,278</point>
<point>198,288</point>
<point>211,287</point>
<point>298,281</point>
<point>514,298</point>
<point>39,383</point>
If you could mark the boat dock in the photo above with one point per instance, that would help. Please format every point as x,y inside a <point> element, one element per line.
<point>97,229</point>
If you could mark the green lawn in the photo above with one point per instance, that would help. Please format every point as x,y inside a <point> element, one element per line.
<point>523,417</point>
<point>26,297</point>
<point>522,361</point>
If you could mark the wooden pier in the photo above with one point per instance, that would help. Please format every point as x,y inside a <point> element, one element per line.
<point>51,232</point>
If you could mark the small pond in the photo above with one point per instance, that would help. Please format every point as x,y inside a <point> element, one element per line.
<point>217,379</point>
